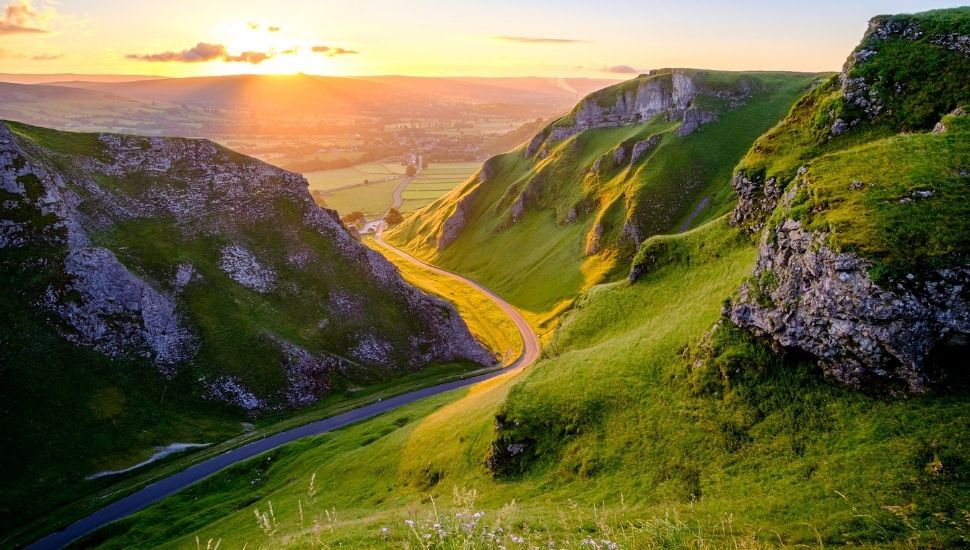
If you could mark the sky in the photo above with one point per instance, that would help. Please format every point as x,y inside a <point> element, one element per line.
<point>601,38</point>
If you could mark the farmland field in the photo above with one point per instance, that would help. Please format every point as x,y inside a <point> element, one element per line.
<point>375,197</point>
<point>434,182</point>
<point>324,180</point>
<point>371,199</point>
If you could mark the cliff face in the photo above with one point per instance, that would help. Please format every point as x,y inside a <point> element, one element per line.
<point>193,257</point>
<point>860,197</point>
<point>672,93</point>
<point>805,295</point>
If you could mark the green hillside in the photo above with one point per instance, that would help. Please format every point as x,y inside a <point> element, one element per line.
<point>625,438</point>
<point>546,226</point>
<point>652,420</point>
<point>165,291</point>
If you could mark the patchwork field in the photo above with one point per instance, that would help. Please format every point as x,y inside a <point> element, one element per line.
<point>372,199</point>
<point>434,181</point>
<point>325,180</point>
<point>369,188</point>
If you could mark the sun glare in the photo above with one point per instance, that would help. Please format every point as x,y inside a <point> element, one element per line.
<point>286,53</point>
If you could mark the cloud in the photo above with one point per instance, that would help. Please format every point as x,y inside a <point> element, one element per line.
<point>203,52</point>
<point>21,17</point>
<point>331,51</point>
<point>248,57</point>
<point>269,28</point>
<point>47,56</point>
<point>537,40</point>
<point>618,69</point>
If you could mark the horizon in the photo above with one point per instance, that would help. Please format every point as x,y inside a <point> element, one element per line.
<point>545,39</point>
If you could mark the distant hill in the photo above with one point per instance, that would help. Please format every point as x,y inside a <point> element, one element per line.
<point>24,78</point>
<point>329,93</point>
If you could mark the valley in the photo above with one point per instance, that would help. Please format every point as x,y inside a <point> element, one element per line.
<point>692,309</point>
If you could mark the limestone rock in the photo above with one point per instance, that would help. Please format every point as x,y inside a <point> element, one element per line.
<point>806,296</point>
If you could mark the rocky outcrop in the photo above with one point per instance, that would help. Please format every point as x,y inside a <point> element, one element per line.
<point>245,269</point>
<point>665,92</point>
<point>212,201</point>
<point>756,200</point>
<point>693,119</point>
<point>455,222</point>
<point>871,94</point>
<point>806,296</point>
<point>109,309</point>
<point>641,148</point>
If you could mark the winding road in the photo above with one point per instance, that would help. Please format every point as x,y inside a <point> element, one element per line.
<point>153,493</point>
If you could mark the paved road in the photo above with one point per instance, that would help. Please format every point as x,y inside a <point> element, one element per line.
<point>153,493</point>
<point>399,190</point>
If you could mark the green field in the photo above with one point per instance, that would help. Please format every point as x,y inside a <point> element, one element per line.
<point>376,197</point>
<point>373,199</point>
<point>434,182</point>
<point>325,180</point>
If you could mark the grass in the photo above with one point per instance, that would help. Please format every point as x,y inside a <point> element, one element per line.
<point>907,210</point>
<point>659,194</point>
<point>916,81</point>
<point>325,180</point>
<point>486,321</point>
<point>120,408</point>
<point>634,434</point>
<point>434,182</point>
<point>373,199</point>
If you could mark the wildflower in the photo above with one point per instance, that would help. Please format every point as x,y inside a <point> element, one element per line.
<point>409,522</point>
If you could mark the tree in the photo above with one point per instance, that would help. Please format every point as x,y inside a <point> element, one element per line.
<point>424,164</point>
<point>354,218</point>
<point>411,170</point>
<point>393,217</point>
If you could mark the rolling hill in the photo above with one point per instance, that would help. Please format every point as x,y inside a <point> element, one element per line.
<point>647,156</point>
<point>335,95</point>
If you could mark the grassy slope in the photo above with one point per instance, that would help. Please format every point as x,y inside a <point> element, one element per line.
<point>663,190</point>
<point>486,321</point>
<point>121,409</point>
<point>888,156</point>
<point>887,219</point>
<point>621,421</point>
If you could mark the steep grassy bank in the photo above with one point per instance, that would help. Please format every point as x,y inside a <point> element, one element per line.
<point>540,227</point>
